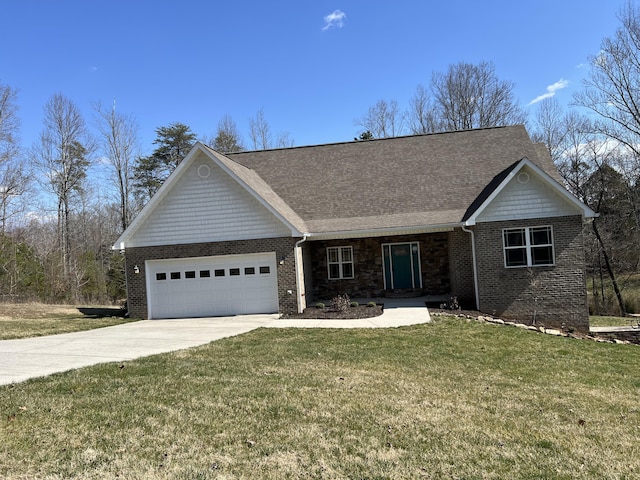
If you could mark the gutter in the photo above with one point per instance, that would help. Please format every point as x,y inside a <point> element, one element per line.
<point>475,268</point>
<point>299,271</point>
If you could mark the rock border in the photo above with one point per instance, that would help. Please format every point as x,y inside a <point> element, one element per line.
<point>539,329</point>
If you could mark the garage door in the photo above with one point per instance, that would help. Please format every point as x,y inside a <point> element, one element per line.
<point>212,286</point>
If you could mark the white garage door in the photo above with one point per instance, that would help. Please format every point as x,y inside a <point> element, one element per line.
<point>212,286</point>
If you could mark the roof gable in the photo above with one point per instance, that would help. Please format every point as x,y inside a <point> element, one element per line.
<point>524,190</point>
<point>204,201</point>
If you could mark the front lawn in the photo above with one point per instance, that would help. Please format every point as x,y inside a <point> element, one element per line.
<point>450,399</point>
<point>22,320</point>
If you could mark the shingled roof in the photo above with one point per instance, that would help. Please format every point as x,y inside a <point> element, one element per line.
<point>417,180</point>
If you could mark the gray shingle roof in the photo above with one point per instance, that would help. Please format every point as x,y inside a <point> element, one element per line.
<point>404,181</point>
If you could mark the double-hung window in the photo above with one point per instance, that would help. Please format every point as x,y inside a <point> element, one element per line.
<point>528,247</point>
<point>340,262</point>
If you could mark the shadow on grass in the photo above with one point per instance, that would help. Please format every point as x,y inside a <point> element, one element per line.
<point>102,312</point>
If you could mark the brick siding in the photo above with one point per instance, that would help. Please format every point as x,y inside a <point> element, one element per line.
<point>367,264</point>
<point>283,247</point>
<point>557,294</point>
<point>461,261</point>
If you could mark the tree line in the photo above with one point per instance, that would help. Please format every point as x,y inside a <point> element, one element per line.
<point>56,246</point>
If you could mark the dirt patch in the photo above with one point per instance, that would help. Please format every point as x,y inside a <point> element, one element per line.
<point>327,313</point>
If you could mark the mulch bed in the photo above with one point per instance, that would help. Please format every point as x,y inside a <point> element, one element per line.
<point>327,313</point>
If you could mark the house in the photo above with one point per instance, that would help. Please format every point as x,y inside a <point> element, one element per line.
<point>477,214</point>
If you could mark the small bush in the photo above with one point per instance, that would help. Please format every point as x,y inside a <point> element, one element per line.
<point>371,304</point>
<point>320,305</point>
<point>340,303</point>
<point>354,304</point>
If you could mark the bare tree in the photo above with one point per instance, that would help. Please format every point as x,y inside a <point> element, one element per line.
<point>612,89</point>
<point>262,137</point>
<point>471,96</point>
<point>13,178</point>
<point>260,132</point>
<point>421,114</point>
<point>227,138</point>
<point>384,119</point>
<point>63,156</point>
<point>119,142</point>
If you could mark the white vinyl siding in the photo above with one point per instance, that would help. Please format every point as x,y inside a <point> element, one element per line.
<point>530,199</point>
<point>211,209</point>
<point>340,262</point>
<point>528,247</point>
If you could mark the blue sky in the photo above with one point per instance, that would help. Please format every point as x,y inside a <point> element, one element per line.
<point>312,66</point>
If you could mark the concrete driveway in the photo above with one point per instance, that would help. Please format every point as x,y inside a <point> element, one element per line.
<point>36,357</point>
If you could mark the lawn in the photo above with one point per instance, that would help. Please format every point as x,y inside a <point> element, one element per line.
<point>604,321</point>
<point>21,320</point>
<point>450,399</point>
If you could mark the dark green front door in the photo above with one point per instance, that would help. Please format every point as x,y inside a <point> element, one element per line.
<point>401,266</point>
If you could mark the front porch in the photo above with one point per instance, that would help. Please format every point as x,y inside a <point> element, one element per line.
<point>400,266</point>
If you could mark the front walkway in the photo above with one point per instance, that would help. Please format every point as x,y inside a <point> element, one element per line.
<point>398,312</point>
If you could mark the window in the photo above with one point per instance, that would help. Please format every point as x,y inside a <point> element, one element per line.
<point>219,272</point>
<point>175,275</point>
<point>340,262</point>
<point>234,272</point>
<point>265,270</point>
<point>190,274</point>
<point>205,273</point>
<point>161,276</point>
<point>528,247</point>
<point>249,270</point>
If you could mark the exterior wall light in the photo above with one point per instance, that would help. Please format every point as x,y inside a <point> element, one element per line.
<point>136,269</point>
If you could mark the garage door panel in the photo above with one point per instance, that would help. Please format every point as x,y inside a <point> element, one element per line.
<point>212,286</point>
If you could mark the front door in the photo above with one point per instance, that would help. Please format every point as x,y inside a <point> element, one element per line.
<point>401,265</point>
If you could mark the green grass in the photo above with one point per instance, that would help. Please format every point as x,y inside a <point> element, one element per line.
<point>34,319</point>
<point>604,321</point>
<point>451,399</point>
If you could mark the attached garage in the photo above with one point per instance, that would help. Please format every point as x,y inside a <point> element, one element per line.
<point>212,286</point>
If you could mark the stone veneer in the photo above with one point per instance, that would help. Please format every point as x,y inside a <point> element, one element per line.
<point>560,290</point>
<point>367,264</point>
<point>283,247</point>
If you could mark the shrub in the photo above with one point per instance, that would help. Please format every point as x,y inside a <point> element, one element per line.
<point>371,304</point>
<point>340,303</point>
<point>320,305</point>
<point>355,304</point>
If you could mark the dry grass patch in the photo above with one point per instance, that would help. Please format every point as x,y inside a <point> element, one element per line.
<point>451,399</point>
<point>21,320</point>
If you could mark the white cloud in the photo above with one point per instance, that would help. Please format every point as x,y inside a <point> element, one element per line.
<point>334,20</point>
<point>551,91</point>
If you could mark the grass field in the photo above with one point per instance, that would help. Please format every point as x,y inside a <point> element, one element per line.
<point>451,399</point>
<point>21,320</point>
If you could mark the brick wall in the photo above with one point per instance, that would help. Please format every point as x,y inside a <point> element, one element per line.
<point>556,294</point>
<point>461,261</point>
<point>367,264</point>
<point>136,284</point>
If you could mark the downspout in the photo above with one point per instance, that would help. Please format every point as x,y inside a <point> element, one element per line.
<point>475,268</point>
<point>299,271</point>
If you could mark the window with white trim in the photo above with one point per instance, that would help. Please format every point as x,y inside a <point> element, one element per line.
<point>340,262</point>
<point>528,247</point>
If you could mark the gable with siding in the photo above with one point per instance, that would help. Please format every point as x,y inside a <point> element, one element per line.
<point>526,195</point>
<point>206,205</point>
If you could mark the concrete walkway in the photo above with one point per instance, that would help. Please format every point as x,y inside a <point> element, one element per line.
<point>27,358</point>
